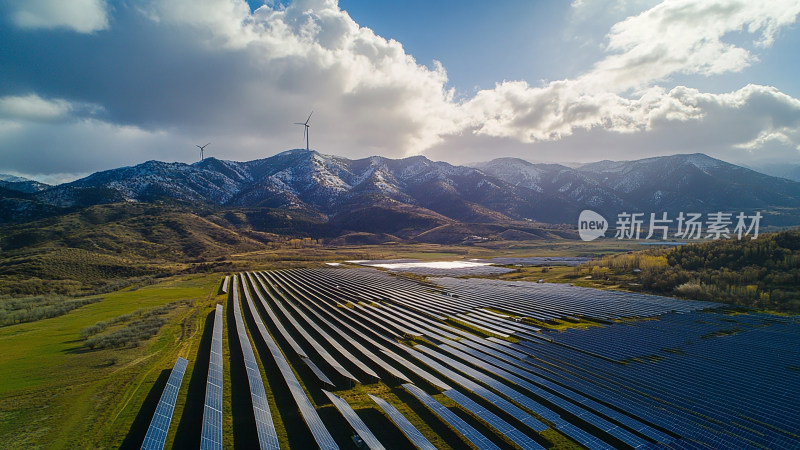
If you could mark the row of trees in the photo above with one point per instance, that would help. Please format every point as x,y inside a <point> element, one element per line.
<point>762,273</point>
<point>31,309</point>
<point>138,326</point>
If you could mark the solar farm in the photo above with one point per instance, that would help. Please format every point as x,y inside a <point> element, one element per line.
<point>361,358</point>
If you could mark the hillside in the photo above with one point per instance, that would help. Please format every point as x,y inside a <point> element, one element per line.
<point>688,183</point>
<point>762,273</point>
<point>97,248</point>
<point>419,193</point>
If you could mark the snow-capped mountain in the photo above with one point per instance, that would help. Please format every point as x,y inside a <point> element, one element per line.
<point>21,184</point>
<point>690,183</point>
<point>419,191</point>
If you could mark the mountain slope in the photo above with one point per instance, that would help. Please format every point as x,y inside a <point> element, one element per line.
<point>21,184</point>
<point>682,182</point>
<point>359,195</point>
<point>688,183</point>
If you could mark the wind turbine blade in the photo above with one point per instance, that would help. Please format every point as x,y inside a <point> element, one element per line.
<point>299,123</point>
<point>309,118</point>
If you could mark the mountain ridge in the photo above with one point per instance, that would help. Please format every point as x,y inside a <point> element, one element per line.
<point>423,191</point>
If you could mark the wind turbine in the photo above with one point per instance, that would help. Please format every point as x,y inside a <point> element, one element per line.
<point>202,147</point>
<point>305,130</point>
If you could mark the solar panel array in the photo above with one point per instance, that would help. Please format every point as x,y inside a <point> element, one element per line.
<point>537,260</point>
<point>352,418</point>
<point>505,429</point>
<point>548,301</point>
<point>411,432</point>
<point>321,435</point>
<point>277,325</point>
<point>451,418</point>
<point>267,436</point>
<point>211,435</point>
<point>159,426</point>
<point>572,379</point>
<point>684,379</point>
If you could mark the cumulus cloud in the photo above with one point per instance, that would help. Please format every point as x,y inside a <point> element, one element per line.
<point>211,70</point>
<point>618,94</point>
<point>685,36</point>
<point>83,16</point>
<point>173,73</point>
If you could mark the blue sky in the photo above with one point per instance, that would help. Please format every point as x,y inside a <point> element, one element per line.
<point>479,45</point>
<point>90,85</point>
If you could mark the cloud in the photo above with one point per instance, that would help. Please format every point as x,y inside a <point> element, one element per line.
<point>34,108</point>
<point>619,94</point>
<point>686,36</point>
<point>210,70</point>
<point>83,16</point>
<point>751,123</point>
<point>80,146</point>
<point>170,74</point>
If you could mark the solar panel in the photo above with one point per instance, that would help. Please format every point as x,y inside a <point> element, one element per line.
<point>490,396</point>
<point>352,418</point>
<point>305,298</point>
<point>321,351</point>
<point>686,391</point>
<point>422,373</point>
<point>211,437</point>
<point>267,436</point>
<point>333,342</point>
<point>321,435</point>
<point>479,359</point>
<point>159,425</point>
<point>487,416</point>
<point>448,416</point>
<point>225,283</point>
<point>335,314</point>
<point>411,432</point>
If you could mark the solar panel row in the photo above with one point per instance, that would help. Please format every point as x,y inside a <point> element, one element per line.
<point>451,418</point>
<point>211,436</point>
<point>267,436</point>
<point>352,418</point>
<point>307,411</point>
<point>156,434</point>
<point>225,283</point>
<point>411,432</point>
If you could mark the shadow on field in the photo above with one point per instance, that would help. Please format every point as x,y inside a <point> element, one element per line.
<point>386,432</point>
<point>139,427</point>
<point>245,434</point>
<point>191,424</point>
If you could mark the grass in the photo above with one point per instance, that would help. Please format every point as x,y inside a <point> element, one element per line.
<point>55,393</point>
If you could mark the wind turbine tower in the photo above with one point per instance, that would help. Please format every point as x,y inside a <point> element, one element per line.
<point>305,130</point>
<point>202,147</point>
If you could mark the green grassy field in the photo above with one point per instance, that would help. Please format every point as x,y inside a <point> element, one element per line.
<point>56,394</point>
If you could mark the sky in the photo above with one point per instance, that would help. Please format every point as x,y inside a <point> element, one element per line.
<point>91,85</point>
